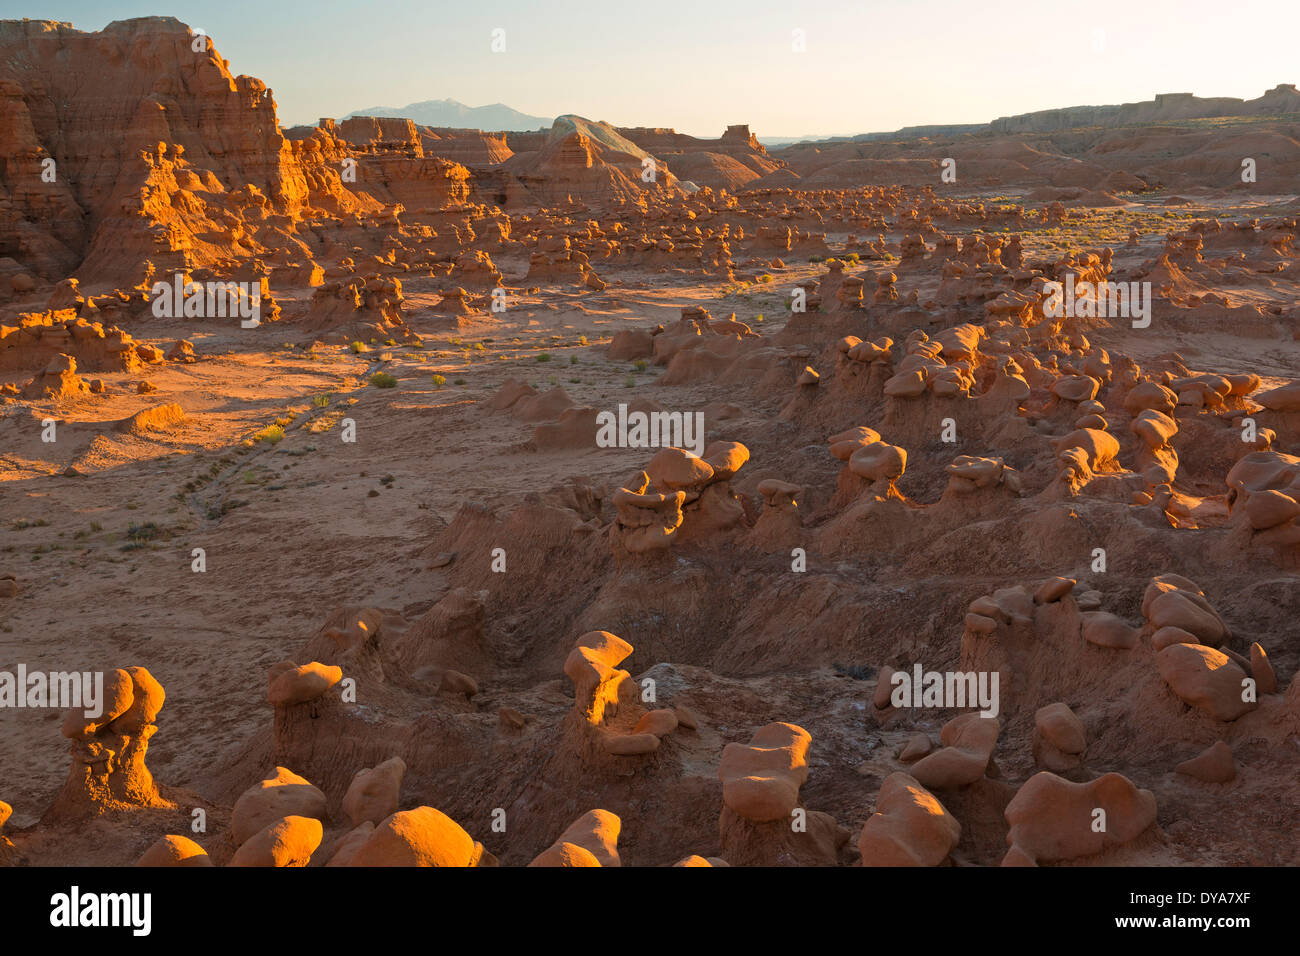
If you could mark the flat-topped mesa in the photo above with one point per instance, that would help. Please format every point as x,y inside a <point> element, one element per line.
<point>108,750</point>
<point>591,840</point>
<point>607,711</point>
<point>762,822</point>
<point>1053,819</point>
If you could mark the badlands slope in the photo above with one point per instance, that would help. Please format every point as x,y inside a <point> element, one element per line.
<point>438,623</point>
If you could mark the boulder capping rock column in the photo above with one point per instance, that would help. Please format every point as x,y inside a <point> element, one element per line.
<point>909,828</point>
<point>762,823</point>
<point>108,752</point>
<point>1053,819</point>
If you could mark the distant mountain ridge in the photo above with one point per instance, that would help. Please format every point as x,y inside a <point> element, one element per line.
<point>452,114</point>
<point>1164,108</point>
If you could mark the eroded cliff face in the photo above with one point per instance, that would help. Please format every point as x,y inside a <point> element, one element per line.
<point>134,149</point>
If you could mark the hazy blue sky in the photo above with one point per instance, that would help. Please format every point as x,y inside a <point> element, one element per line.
<point>698,66</point>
